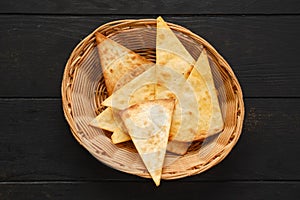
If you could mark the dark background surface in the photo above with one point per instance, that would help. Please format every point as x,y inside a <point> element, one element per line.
<point>39,158</point>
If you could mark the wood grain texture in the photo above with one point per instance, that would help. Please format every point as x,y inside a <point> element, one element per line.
<point>151,7</point>
<point>36,145</point>
<point>262,50</point>
<point>138,190</point>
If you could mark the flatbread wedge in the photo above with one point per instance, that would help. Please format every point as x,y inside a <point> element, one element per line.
<point>105,120</point>
<point>148,125</point>
<point>207,96</point>
<point>179,148</point>
<point>170,52</point>
<point>174,64</point>
<point>119,136</point>
<point>119,64</point>
<point>109,120</point>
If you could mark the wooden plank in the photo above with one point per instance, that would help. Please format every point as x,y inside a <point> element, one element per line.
<point>263,51</point>
<point>142,190</point>
<point>151,7</point>
<point>36,144</point>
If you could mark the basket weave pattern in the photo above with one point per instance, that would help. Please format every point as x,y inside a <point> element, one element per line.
<point>83,90</point>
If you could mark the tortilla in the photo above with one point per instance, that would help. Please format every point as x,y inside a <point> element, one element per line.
<point>148,124</point>
<point>174,64</point>
<point>179,148</point>
<point>119,136</point>
<point>105,120</point>
<point>170,52</point>
<point>211,107</point>
<point>119,64</point>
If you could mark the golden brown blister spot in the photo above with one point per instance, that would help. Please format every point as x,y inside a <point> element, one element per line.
<point>189,72</point>
<point>110,58</point>
<point>135,106</point>
<point>143,149</point>
<point>161,36</point>
<point>157,172</point>
<point>122,102</point>
<point>192,131</point>
<point>162,63</point>
<point>171,96</point>
<point>166,75</point>
<point>216,130</point>
<point>146,98</point>
<point>127,115</point>
<point>134,73</point>
<point>164,129</point>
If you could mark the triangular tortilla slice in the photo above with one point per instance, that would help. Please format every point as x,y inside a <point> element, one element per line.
<point>105,120</point>
<point>119,64</point>
<point>179,148</point>
<point>174,64</point>
<point>119,136</point>
<point>170,52</point>
<point>148,124</point>
<point>209,106</point>
<point>110,121</point>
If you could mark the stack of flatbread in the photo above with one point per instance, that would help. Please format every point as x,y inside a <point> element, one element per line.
<point>162,106</point>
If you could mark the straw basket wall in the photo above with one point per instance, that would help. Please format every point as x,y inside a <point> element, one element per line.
<point>83,90</point>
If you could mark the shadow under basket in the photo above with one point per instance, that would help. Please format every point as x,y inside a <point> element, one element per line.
<point>83,90</point>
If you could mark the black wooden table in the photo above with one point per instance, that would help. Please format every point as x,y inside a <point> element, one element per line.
<point>39,158</point>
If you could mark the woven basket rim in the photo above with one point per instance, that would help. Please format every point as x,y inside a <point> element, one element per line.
<point>88,43</point>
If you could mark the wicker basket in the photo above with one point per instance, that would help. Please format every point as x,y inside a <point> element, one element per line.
<point>83,90</point>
